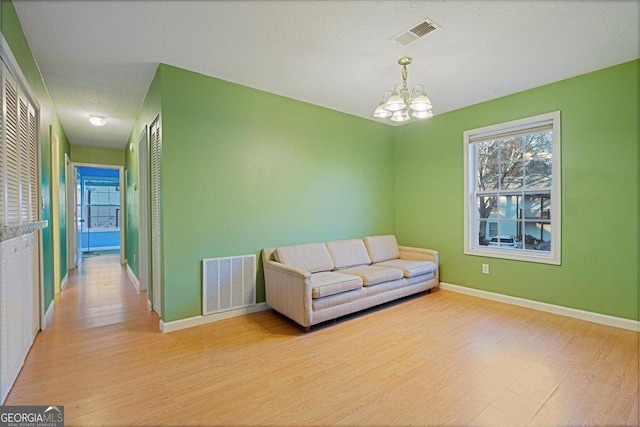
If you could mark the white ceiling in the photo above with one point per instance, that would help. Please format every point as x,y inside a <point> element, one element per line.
<point>100,56</point>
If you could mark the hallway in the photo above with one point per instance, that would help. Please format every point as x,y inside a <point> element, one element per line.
<point>86,351</point>
<point>99,294</point>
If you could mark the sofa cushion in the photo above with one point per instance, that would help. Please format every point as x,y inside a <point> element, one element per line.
<point>410,268</point>
<point>372,275</point>
<point>328,283</point>
<point>348,253</point>
<point>311,257</point>
<point>382,248</point>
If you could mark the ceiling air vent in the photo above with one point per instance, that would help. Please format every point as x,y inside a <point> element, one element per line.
<point>412,34</point>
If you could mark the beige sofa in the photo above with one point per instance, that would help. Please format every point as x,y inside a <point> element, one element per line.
<point>315,282</point>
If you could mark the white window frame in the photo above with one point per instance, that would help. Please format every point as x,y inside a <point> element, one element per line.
<point>471,247</point>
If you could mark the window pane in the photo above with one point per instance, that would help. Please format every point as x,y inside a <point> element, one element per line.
<point>487,176</point>
<point>508,231</point>
<point>493,229</point>
<point>508,235</point>
<point>487,207</point>
<point>538,173</point>
<point>483,233</point>
<point>511,149</point>
<point>537,206</point>
<point>538,236</point>
<point>512,175</point>
<point>538,145</point>
<point>487,151</point>
<point>510,206</point>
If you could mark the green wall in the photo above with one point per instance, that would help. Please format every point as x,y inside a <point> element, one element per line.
<point>97,155</point>
<point>599,119</point>
<point>148,113</point>
<point>243,170</point>
<point>13,34</point>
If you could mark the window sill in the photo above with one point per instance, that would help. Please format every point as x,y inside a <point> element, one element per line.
<point>516,255</point>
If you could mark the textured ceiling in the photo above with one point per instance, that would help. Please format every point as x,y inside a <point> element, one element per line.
<point>100,56</point>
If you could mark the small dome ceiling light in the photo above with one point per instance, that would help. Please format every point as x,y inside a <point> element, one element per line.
<point>97,120</point>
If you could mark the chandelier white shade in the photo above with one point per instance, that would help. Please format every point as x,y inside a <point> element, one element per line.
<point>400,105</point>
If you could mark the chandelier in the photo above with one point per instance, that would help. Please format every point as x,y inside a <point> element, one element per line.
<point>401,106</point>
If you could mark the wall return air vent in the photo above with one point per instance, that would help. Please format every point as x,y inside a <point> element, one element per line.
<point>419,30</point>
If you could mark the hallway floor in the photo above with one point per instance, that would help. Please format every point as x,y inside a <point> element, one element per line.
<point>77,361</point>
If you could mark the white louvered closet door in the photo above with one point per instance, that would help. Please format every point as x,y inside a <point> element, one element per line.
<point>2,149</point>
<point>29,268</point>
<point>19,257</point>
<point>12,325</point>
<point>156,223</point>
<point>11,149</point>
<point>4,381</point>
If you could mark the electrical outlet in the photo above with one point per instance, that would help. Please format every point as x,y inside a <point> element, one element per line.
<point>485,268</point>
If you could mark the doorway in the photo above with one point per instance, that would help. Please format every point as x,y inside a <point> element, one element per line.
<point>97,199</point>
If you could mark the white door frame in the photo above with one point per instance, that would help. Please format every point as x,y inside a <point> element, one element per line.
<point>143,226</point>
<point>55,209</point>
<point>70,181</point>
<point>74,254</point>
<point>122,200</point>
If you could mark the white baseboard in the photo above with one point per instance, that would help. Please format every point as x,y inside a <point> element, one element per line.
<point>63,284</point>
<point>149,306</point>
<point>589,316</point>
<point>133,278</point>
<point>48,315</point>
<point>202,320</point>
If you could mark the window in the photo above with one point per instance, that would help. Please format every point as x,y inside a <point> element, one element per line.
<point>512,190</point>
<point>102,205</point>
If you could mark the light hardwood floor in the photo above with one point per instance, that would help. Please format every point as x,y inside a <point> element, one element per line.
<point>438,359</point>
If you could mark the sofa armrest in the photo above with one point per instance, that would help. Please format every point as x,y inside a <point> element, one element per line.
<point>288,291</point>
<point>288,270</point>
<point>418,254</point>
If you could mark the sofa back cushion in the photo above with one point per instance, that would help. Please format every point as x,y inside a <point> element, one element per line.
<point>311,257</point>
<point>348,253</point>
<point>382,248</point>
